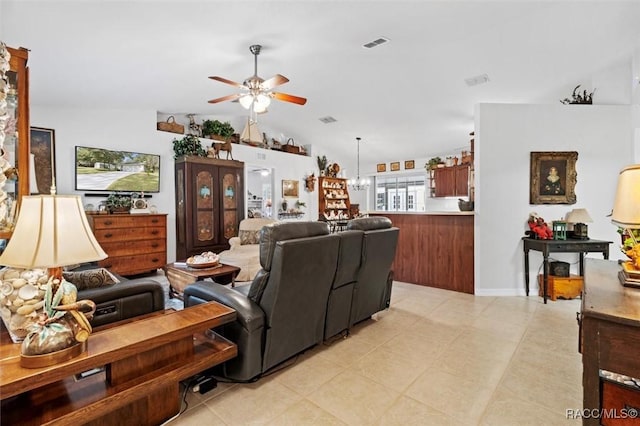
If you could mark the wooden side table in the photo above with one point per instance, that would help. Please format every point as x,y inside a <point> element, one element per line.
<point>559,246</point>
<point>180,275</point>
<point>609,335</point>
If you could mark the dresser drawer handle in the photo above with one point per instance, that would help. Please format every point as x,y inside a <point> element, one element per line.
<point>155,260</point>
<point>154,221</point>
<point>108,222</point>
<point>108,235</point>
<point>107,265</point>
<point>155,232</point>
<point>155,245</point>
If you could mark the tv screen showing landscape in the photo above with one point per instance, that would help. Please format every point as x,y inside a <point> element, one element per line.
<point>99,169</point>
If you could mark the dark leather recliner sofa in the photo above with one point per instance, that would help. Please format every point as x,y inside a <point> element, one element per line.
<point>126,299</point>
<point>305,292</point>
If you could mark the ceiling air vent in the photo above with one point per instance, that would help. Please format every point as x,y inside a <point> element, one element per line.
<point>328,119</point>
<point>478,79</point>
<point>376,42</point>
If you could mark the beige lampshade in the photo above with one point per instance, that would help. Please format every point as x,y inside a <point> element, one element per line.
<point>578,216</point>
<point>626,207</point>
<point>51,231</point>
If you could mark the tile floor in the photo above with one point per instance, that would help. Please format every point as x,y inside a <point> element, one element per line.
<point>436,357</point>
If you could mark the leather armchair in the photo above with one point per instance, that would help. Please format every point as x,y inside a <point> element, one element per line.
<point>283,311</point>
<point>373,287</point>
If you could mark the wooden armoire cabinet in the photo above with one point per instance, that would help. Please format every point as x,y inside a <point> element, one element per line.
<point>209,204</point>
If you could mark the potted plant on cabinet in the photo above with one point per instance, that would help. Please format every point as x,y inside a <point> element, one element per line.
<point>215,129</point>
<point>188,145</point>
<point>118,203</point>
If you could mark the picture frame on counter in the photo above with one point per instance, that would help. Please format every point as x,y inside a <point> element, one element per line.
<point>553,177</point>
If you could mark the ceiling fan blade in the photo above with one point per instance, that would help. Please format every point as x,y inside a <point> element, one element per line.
<point>274,81</point>
<point>225,98</point>
<point>289,98</point>
<point>226,81</point>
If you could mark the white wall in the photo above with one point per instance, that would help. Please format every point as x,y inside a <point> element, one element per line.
<point>135,130</point>
<point>505,136</point>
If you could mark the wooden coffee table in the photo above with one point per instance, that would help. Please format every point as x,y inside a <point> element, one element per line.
<point>140,365</point>
<point>180,275</point>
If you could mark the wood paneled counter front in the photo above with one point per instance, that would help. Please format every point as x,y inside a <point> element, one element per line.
<point>434,249</point>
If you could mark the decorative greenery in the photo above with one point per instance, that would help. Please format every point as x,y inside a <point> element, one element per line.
<point>188,145</point>
<point>433,162</point>
<point>216,127</point>
<point>584,98</point>
<point>117,201</point>
<point>322,163</point>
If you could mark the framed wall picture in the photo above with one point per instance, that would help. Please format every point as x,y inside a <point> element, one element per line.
<point>395,166</point>
<point>382,167</point>
<point>290,188</point>
<point>409,164</point>
<point>43,159</point>
<point>553,177</point>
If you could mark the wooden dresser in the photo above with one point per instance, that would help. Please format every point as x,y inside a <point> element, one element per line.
<point>135,243</point>
<point>609,340</point>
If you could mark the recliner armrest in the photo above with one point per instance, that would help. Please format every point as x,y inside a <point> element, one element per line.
<point>248,314</point>
<point>125,288</point>
<point>234,242</point>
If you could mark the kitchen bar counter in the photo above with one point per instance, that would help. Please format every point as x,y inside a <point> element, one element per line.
<point>435,249</point>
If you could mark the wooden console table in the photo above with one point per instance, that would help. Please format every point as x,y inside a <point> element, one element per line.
<point>559,246</point>
<point>610,331</point>
<point>143,361</point>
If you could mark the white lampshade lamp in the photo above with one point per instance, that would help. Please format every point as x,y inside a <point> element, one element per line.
<point>52,231</point>
<point>579,218</point>
<point>626,214</point>
<point>626,207</point>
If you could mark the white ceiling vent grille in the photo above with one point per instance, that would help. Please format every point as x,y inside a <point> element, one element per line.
<point>478,79</point>
<point>328,119</point>
<point>376,42</point>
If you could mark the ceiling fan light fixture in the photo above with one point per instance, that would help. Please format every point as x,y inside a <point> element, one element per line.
<point>246,101</point>
<point>262,101</point>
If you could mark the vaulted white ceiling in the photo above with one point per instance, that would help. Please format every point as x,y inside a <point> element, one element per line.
<point>406,98</point>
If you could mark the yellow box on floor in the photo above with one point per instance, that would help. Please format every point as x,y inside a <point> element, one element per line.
<point>563,287</point>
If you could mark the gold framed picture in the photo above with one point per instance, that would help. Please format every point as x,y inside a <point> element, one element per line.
<point>395,166</point>
<point>409,164</point>
<point>382,167</point>
<point>553,177</point>
<point>289,188</point>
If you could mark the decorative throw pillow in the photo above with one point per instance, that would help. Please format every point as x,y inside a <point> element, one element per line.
<point>249,237</point>
<point>91,278</point>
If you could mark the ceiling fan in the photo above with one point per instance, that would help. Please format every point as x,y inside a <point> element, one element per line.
<point>257,92</point>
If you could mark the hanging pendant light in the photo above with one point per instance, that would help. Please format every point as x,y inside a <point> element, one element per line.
<point>358,184</point>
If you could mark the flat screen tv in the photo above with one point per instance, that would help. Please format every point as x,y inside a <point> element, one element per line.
<point>99,169</point>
